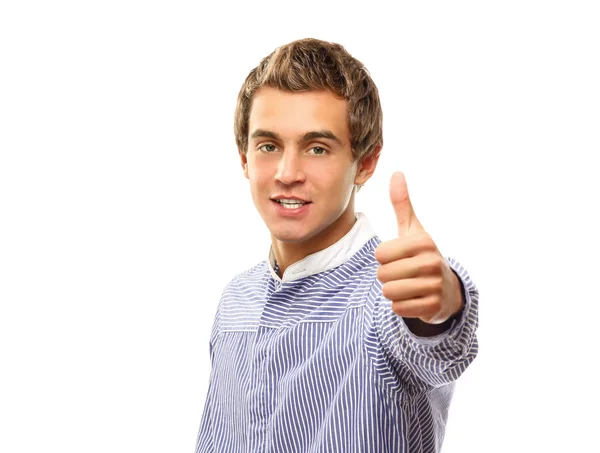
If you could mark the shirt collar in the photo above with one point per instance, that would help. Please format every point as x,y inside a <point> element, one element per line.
<point>330,257</point>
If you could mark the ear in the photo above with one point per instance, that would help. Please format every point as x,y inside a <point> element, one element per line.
<point>244,162</point>
<point>366,166</point>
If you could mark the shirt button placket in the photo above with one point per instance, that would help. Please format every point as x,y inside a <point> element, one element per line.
<point>265,399</point>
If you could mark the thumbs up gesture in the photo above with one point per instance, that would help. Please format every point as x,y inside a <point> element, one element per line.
<point>415,276</point>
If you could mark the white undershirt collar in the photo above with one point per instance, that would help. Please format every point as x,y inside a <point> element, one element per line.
<point>330,257</point>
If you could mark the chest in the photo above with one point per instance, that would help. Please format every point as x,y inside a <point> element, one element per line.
<point>292,351</point>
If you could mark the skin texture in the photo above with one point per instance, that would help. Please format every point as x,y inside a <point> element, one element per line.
<point>282,159</point>
<point>319,170</point>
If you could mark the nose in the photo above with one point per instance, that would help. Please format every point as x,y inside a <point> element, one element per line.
<point>289,168</point>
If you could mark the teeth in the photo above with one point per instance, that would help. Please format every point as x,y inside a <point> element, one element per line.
<point>291,204</point>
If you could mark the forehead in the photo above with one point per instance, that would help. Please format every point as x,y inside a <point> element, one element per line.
<point>293,114</point>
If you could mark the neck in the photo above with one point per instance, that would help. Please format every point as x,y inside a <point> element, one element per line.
<point>288,253</point>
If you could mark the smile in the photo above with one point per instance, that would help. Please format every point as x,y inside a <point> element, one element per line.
<point>291,208</point>
<point>291,204</point>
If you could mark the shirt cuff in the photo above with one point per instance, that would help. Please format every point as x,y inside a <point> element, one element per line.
<point>459,334</point>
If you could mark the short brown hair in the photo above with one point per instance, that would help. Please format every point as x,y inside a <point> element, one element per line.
<point>312,64</point>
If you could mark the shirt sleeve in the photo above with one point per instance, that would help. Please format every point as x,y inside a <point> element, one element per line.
<point>438,360</point>
<point>204,443</point>
<point>204,439</point>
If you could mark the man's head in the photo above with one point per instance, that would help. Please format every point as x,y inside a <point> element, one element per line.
<point>314,65</point>
<point>308,125</point>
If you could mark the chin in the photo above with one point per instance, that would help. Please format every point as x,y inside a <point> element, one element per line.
<point>291,233</point>
<point>288,236</point>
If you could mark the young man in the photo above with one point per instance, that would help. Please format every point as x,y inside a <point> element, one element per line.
<point>335,342</point>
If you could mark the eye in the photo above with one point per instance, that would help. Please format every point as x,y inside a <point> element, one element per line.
<point>268,148</point>
<point>318,151</point>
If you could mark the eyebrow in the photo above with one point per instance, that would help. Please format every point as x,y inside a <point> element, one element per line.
<point>305,138</point>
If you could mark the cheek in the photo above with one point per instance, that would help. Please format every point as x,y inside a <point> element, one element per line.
<point>259,178</point>
<point>341,181</point>
<point>332,184</point>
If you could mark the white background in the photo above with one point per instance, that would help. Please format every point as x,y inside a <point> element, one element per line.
<point>124,211</point>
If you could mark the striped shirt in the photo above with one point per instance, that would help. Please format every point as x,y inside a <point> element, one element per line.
<point>317,361</point>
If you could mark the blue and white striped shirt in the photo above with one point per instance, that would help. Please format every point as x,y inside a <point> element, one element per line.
<point>317,361</point>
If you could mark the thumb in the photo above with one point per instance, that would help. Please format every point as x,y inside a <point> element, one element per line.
<point>405,215</point>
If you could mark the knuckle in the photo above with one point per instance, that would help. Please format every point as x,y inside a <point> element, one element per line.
<point>433,264</point>
<point>434,306</point>
<point>426,240</point>
<point>437,283</point>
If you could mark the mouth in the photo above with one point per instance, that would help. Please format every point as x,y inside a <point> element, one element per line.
<point>291,205</point>
<point>289,200</point>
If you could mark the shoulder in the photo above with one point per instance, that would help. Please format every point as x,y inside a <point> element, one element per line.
<point>252,277</point>
<point>244,287</point>
<point>241,300</point>
<point>363,262</point>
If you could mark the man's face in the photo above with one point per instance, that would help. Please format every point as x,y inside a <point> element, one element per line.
<point>299,149</point>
